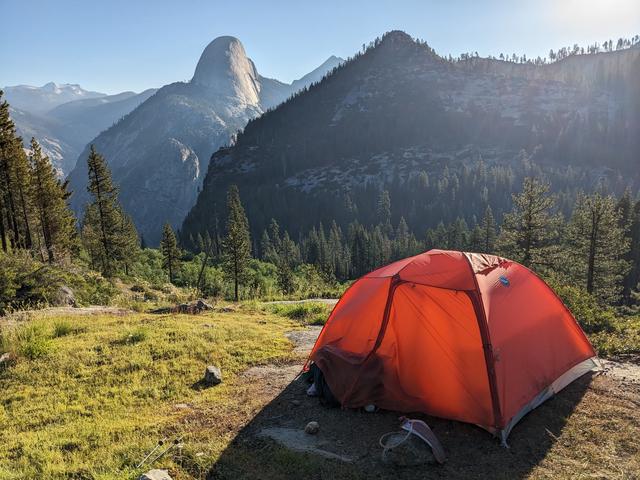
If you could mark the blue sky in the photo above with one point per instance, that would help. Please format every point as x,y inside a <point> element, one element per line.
<point>117,45</point>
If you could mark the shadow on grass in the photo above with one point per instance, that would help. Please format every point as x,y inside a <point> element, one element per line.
<point>472,452</point>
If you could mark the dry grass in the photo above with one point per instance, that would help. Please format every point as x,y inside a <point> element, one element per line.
<point>104,388</point>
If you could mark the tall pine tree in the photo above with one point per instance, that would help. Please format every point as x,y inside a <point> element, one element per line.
<point>170,252</point>
<point>107,232</point>
<point>237,242</point>
<point>530,231</point>
<point>15,207</point>
<point>55,221</point>
<point>597,246</point>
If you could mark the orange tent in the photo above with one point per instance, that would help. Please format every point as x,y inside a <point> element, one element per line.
<point>470,337</point>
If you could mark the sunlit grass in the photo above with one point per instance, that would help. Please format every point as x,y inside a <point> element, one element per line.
<point>89,396</point>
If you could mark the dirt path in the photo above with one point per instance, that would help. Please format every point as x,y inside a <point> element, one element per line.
<point>546,443</point>
<point>622,370</point>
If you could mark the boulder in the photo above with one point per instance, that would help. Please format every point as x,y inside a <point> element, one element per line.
<point>212,376</point>
<point>192,308</point>
<point>312,428</point>
<point>155,474</point>
<point>65,297</point>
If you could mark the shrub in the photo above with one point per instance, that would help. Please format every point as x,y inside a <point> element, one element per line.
<point>308,313</point>
<point>134,336</point>
<point>28,340</point>
<point>62,328</point>
<point>591,316</point>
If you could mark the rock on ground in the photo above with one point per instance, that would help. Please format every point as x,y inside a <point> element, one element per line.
<point>155,474</point>
<point>212,375</point>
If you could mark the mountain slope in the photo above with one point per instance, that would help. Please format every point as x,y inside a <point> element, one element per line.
<point>42,99</point>
<point>64,129</point>
<point>159,152</point>
<point>401,118</point>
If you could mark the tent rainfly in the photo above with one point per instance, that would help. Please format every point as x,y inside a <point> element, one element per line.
<point>464,336</point>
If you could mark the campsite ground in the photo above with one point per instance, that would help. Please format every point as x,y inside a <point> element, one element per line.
<point>89,395</point>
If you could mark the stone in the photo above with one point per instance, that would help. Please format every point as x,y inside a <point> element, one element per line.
<point>65,297</point>
<point>155,474</point>
<point>312,428</point>
<point>212,375</point>
<point>7,359</point>
<point>192,308</point>
<point>201,305</point>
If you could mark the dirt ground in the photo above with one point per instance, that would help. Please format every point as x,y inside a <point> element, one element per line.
<point>590,430</point>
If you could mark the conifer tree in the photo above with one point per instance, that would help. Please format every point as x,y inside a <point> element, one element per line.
<point>488,231</point>
<point>170,252</point>
<point>530,231</point>
<point>383,210</point>
<point>629,214</point>
<point>129,243</point>
<point>237,242</point>
<point>55,220</point>
<point>107,232</point>
<point>15,206</point>
<point>597,246</point>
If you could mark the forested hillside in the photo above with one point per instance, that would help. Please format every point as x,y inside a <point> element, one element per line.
<point>445,139</point>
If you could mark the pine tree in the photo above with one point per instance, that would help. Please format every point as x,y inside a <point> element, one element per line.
<point>530,231</point>
<point>237,242</point>
<point>488,231</point>
<point>107,232</point>
<point>170,252</point>
<point>383,211</point>
<point>129,243</point>
<point>596,245</point>
<point>15,207</point>
<point>55,220</point>
<point>629,215</point>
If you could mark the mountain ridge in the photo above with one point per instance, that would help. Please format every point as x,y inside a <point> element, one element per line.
<point>159,152</point>
<point>398,110</point>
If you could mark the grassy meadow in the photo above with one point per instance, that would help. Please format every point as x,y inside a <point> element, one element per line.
<point>87,396</point>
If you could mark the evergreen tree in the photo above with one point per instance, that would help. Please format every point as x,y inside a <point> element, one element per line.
<point>55,220</point>
<point>129,243</point>
<point>170,252</point>
<point>629,214</point>
<point>107,232</point>
<point>596,245</point>
<point>15,207</point>
<point>488,231</point>
<point>237,242</point>
<point>530,231</point>
<point>383,210</point>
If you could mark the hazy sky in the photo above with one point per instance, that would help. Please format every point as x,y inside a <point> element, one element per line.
<point>117,45</point>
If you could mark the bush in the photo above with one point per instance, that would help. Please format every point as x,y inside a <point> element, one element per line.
<point>137,335</point>
<point>308,313</point>
<point>591,316</point>
<point>62,328</point>
<point>28,340</point>
<point>27,283</point>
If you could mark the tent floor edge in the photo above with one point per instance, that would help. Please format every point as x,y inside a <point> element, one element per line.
<point>591,364</point>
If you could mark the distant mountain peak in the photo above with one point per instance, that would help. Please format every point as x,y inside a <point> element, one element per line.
<point>397,36</point>
<point>225,67</point>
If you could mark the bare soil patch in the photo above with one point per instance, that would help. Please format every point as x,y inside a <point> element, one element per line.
<point>591,429</point>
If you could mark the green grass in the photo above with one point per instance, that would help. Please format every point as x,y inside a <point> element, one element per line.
<point>89,395</point>
<point>307,313</point>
